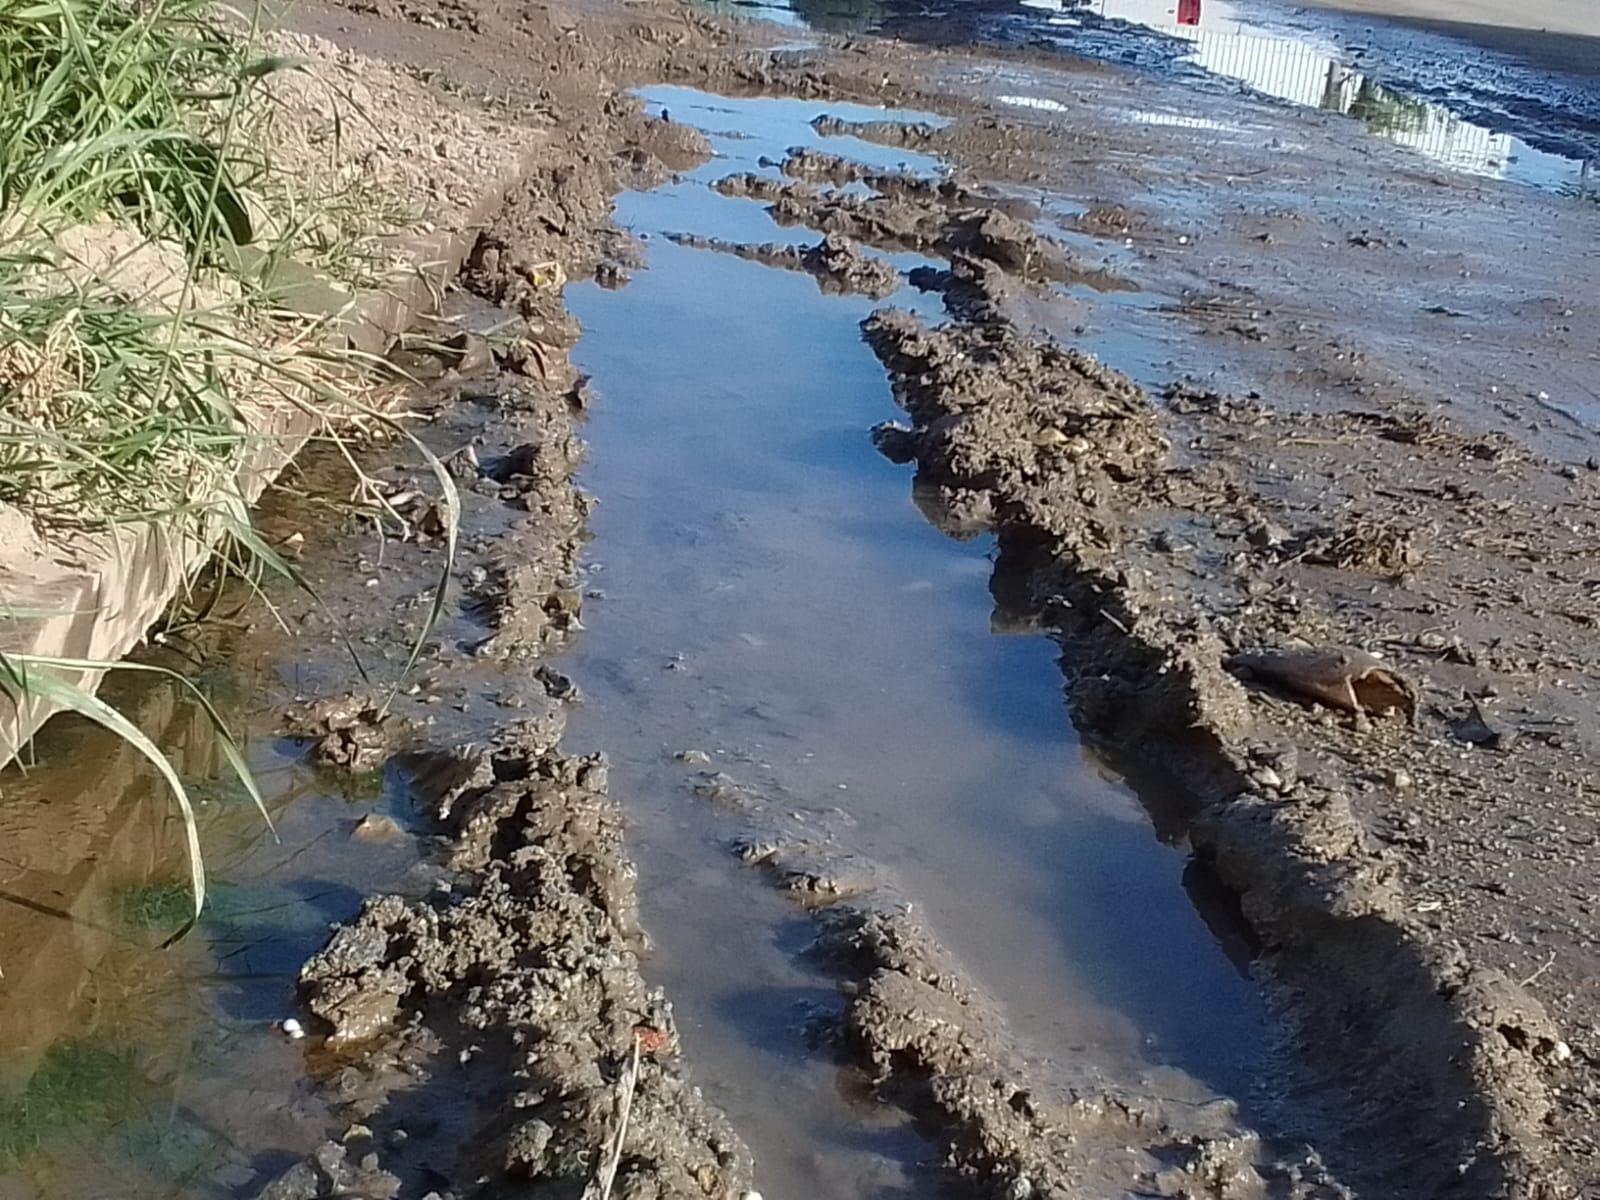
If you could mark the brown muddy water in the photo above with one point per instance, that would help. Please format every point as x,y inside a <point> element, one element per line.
<point>761,590</point>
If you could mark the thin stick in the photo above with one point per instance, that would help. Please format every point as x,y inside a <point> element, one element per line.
<point>1548,963</point>
<point>608,1175</point>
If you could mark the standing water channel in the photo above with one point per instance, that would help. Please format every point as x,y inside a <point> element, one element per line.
<point>766,593</point>
<point>769,615</point>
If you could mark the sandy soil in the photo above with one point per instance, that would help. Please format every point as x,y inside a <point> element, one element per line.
<point>1410,837</point>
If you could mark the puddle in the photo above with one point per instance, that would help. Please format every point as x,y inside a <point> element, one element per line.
<point>161,1069</point>
<point>1314,71</point>
<point>772,597</point>
<point>763,589</point>
<point>1305,58</point>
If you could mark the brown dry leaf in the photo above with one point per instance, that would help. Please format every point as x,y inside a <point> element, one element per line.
<point>1338,676</point>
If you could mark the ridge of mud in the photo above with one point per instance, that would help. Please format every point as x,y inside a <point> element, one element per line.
<point>836,263</point>
<point>530,962</point>
<point>921,220</point>
<point>817,167</point>
<point>1430,1077</point>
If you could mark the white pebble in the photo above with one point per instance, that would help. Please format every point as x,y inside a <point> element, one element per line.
<point>292,1029</point>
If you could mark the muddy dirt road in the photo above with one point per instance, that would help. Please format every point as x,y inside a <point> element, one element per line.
<point>762,706</point>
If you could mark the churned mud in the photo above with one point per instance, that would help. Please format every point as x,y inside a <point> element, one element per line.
<point>837,263</point>
<point>933,1041</point>
<point>1204,558</point>
<point>532,968</point>
<point>1323,605</point>
<point>991,407</point>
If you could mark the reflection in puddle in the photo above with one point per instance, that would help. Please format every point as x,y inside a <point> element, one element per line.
<point>142,1072</point>
<point>1310,71</point>
<point>1221,38</point>
<point>775,603</point>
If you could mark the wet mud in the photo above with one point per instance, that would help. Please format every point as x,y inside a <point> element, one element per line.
<point>1145,669</point>
<point>837,263</point>
<point>930,1039</point>
<point>933,219</point>
<point>1342,647</point>
<point>529,964</point>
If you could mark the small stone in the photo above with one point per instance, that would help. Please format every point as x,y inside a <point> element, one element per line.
<point>1049,436</point>
<point>1561,1052</point>
<point>291,1029</point>
<point>1398,778</point>
<point>375,827</point>
<point>695,758</point>
<point>1267,778</point>
<point>1267,534</point>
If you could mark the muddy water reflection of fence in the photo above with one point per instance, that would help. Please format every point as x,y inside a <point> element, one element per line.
<point>1222,39</point>
<point>1312,73</point>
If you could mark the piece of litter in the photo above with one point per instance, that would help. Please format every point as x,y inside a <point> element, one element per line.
<point>1036,102</point>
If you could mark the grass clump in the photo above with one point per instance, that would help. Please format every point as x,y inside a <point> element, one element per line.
<point>128,334</point>
<point>110,412</point>
<point>103,104</point>
<point>120,196</point>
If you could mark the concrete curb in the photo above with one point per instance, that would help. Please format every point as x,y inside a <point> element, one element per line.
<point>102,610</point>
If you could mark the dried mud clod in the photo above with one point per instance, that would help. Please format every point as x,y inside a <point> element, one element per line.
<point>531,963</point>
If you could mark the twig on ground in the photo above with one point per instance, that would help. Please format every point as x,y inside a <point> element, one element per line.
<point>629,1084</point>
<point>1548,963</point>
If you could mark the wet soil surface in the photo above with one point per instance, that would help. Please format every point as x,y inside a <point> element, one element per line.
<point>1527,109</point>
<point>1319,593</point>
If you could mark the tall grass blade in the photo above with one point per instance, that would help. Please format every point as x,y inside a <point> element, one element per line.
<point>69,698</point>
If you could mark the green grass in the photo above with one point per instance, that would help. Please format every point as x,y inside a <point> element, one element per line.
<point>102,104</point>
<point>121,378</point>
<point>79,1083</point>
